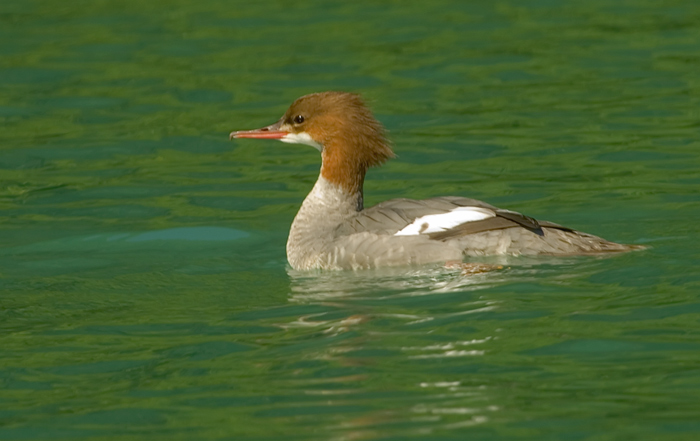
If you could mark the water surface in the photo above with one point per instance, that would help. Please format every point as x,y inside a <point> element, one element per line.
<point>144,290</point>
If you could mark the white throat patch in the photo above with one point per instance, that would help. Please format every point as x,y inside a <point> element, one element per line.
<point>434,223</point>
<point>302,138</point>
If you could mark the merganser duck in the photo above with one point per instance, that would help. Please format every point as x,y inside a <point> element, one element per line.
<point>333,230</point>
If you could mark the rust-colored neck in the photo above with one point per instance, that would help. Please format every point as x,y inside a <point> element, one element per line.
<point>343,169</point>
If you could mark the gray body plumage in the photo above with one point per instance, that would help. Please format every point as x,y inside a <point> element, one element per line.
<point>330,233</point>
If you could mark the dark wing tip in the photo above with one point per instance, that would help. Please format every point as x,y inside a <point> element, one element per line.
<point>522,220</point>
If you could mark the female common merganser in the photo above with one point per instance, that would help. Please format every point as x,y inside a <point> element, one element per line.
<point>332,229</point>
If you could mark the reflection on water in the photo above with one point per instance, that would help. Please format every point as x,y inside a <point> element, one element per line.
<point>384,304</point>
<point>319,286</point>
<point>418,321</point>
<point>392,282</point>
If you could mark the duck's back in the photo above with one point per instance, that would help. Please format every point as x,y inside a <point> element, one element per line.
<point>473,226</point>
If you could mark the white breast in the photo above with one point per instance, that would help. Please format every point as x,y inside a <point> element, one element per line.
<point>434,223</point>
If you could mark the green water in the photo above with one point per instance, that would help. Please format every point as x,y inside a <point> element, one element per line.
<point>144,290</point>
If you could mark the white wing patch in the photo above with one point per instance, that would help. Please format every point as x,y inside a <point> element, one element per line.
<point>301,138</point>
<point>434,223</point>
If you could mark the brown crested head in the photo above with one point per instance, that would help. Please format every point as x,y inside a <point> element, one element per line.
<point>350,139</point>
<point>341,126</point>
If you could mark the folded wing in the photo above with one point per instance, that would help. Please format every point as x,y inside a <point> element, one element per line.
<point>440,219</point>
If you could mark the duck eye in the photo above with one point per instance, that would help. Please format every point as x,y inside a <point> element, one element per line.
<point>298,119</point>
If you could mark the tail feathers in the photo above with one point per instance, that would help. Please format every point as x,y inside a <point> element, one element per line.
<point>584,243</point>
